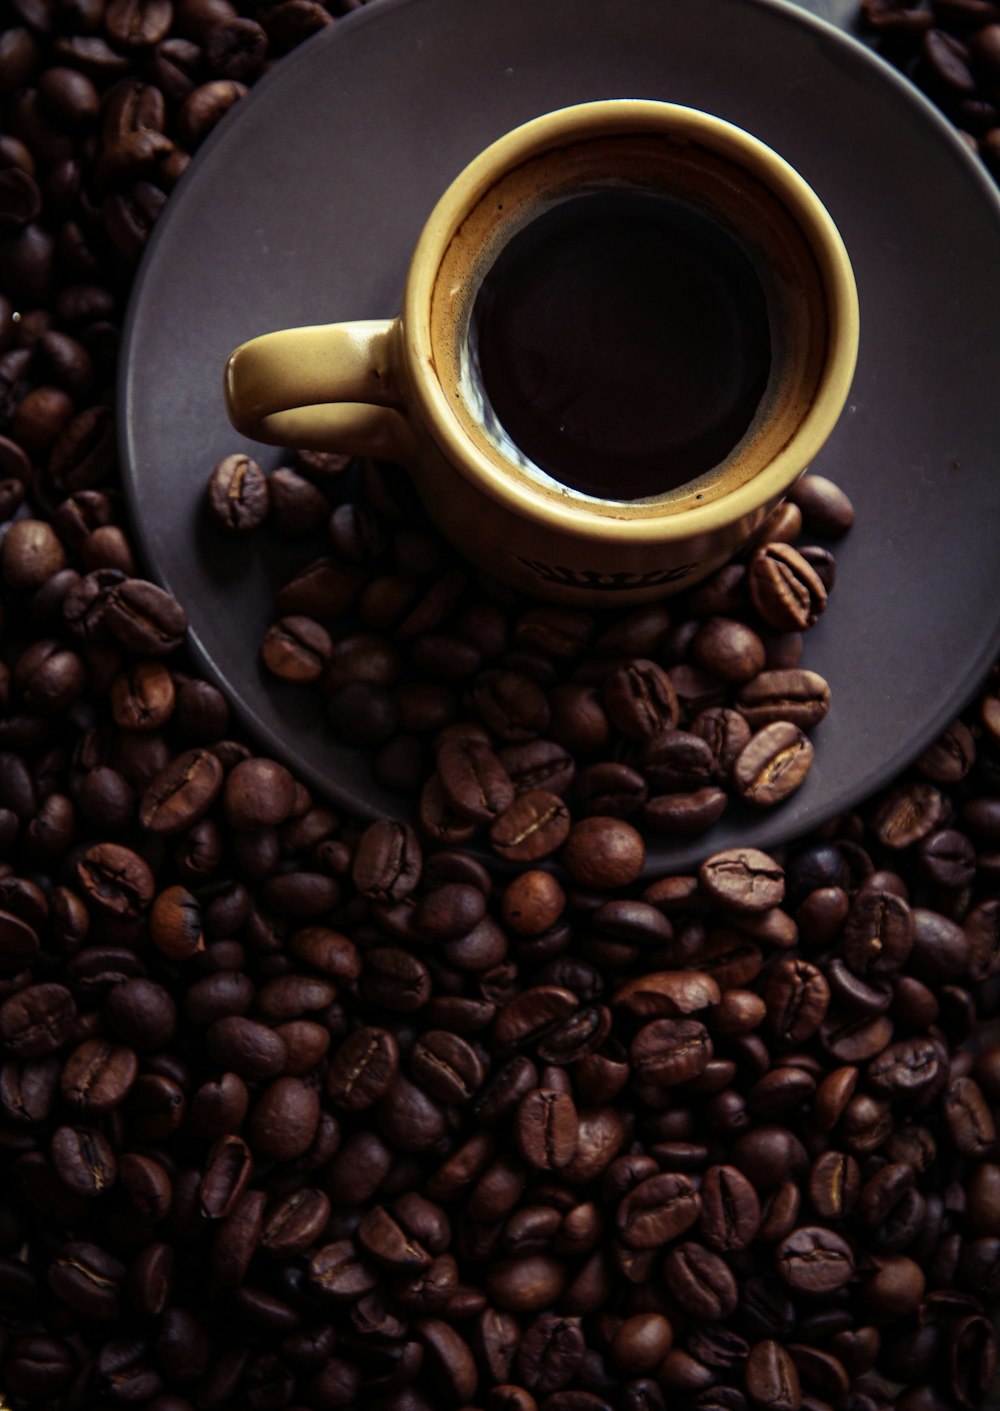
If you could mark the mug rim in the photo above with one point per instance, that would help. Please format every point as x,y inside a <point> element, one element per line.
<point>614,117</point>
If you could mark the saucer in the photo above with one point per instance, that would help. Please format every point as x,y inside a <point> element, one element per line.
<point>303,206</point>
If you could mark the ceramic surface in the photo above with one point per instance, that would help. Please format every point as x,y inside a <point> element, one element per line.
<point>304,204</point>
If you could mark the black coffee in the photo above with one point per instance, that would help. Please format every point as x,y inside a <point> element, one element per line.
<point>624,344</point>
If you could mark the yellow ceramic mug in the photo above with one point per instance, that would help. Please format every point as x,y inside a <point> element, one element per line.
<point>627,328</point>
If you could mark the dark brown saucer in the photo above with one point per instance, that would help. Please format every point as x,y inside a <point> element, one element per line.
<point>304,204</point>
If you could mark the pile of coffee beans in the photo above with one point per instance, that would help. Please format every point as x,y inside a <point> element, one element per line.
<point>951,49</point>
<point>300,1112</point>
<point>506,718</point>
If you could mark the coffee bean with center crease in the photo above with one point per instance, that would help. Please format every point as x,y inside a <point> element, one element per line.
<point>38,1020</point>
<point>97,1075</point>
<point>772,1380</point>
<point>531,1014</point>
<point>89,1279</point>
<point>671,1051</point>
<point>701,1281</point>
<point>388,1243</point>
<point>37,1366</point>
<point>546,1129</point>
<point>238,494</point>
<point>446,1066</point>
<point>474,780</point>
<point>143,618</point>
<point>115,879</point>
<point>814,1260</point>
<point>362,1068</point>
<point>968,1118</point>
<point>387,861</point>
<point>772,765</point>
<point>84,1160</point>
<point>28,1090</point>
<point>395,979</point>
<point>743,880</point>
<point>657,1210</point>
<point>730,1209</point>
<point>797,997</point>
<point>790,696</point>
<point>784,588</point>
<point>677,760</point>
<point>834,1184</point>
<point>296,649</point>
<point>535,824</point>
<point>907,1070</point>
<point>181,793</point>
<point>575,1038</point>
<point>225,1176</point>
<point>538,764</point>
<point>878,933</point>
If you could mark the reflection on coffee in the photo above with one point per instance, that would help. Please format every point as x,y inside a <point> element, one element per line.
<point>623,343</point>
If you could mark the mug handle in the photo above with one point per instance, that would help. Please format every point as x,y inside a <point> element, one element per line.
<point>327,387</point>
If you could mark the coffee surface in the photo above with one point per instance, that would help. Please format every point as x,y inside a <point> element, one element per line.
<point>623,342</point>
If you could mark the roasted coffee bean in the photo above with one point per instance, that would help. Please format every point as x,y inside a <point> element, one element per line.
<point>834,1184</point>
<point>657,1210</point>
<point>238,497</point>
<point>446,1066</point>
<point>744,880</point>
<point>97,1076</point>
<point>641,700</point>
<point>909,1068</point>
<point>534,825</point>
<point>814,1260</point>
<point>968,1118</point>
<point>878,933</point>
<point>792,696</point>
<point>182,793</point>
<point>784,588</point>
<point>143,618</point>
<point>28,1090</point>
<point>700,1281</point>
<point>546,1129</point>
<point>772,765</point>
<point>730,1209</point>
<point>246,1047</point>
<point>525,1284</point>
<point>772,1380</point>
<point>362,1068</point>
<point>474,779</point>
<point>88,1279</point>
<point>395,979</point>
<point>671,1051</point>
<point>83,1160</point>
<point>669,993</point>
<point>797,996</point>
<point>296,649</point>
<point>236,1239</point>
<point>387,861</point>
<point>826,509</point>
<point>603,853</point>
<point>225,1176</point>
<point>37,1021</point>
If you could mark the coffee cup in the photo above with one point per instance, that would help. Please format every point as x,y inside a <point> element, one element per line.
<point>627,328</point>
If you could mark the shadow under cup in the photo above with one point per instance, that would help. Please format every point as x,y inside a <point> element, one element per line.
<point>635,323</point>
